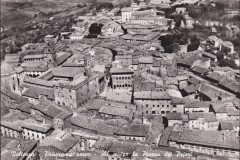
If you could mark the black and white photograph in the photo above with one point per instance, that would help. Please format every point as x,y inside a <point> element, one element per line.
<point>120,79</point>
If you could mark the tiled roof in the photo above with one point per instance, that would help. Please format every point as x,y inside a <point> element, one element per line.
<point>209,138</point>
<point>213,92</point>
<point>140,37</point>
<point>63,115</point>
<point>120,70</point>
<point>200,70</point>
<point>134,130</point>
<point>94,104</point>
<point>6,69</point>
<point>160,62</point>
<point>12,95</point>
<point>193,80</point>
<point>143,13</point>
<point>44,128</point>
<point>67,71</point>
<point>174,116</point>
<point>209,117</point>
<point>13,125</point>
<point>226,126</point>
<point>34,92</point>
<point>165,136</point>
<point>116,111</point>
<point>215,76</point>
<point>38,82</point>
<point>146,60</point>
<point>33,56</point>
<point>172,72</point>
<point>93,124</point>
<point>232,85</point>
<point>80,81</point>
<point>47,108</point>
<point>25,107</point>
<point>126,9</point>
<point>19,69</point>
<point>151,95</point>
<point>17,146</point>
<point>177,100</point>
<point>197,104</point>
<point>60,140</point>
<point>63,57</point>
<point>191,88</point>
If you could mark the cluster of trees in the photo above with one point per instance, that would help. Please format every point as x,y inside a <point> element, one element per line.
<point>206,11</point>
<point>94,30</point>
<point>171,43</point>
<point>107,6</point>
<point>224,60</point>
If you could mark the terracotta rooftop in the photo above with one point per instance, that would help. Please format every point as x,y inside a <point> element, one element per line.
<point>151,95</point>
<point>116,111</point>
<point>121,70</point>
<point>134,130</point>
<point>209,138</point>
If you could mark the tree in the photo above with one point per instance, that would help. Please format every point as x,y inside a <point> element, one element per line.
<point>195,42</point>
<point>94,30</point>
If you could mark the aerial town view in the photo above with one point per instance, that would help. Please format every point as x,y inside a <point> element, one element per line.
<point>120,79</point>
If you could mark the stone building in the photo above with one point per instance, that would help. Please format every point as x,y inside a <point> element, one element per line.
<point>155,103</point>
<point>122,78</point>
<point>124,60</point>
<point>214,143</point>
<point>77,92</point>
<point>35,131</point>
<point>11,129</point>
<point>126,14</point>
<point>133,132</point>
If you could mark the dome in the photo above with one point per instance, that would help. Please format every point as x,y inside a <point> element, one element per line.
<point>6,69</point>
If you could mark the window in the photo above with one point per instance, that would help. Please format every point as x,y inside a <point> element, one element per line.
<point>162,112</point>
<point>117,78</point>
<point>70,90</point>
<point>63,103</point>
<point>153,112</point>
<point>158,106</point>
<point>146,105</point>
<point>153,105</point>
<point>167,105</point>
<point>174,106</point>
<point>146,112</point>
<point>162,105</point>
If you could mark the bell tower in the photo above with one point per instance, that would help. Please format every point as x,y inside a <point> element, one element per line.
<point>50,51</point>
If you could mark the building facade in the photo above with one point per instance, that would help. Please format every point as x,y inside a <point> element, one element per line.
<point>122,78</point>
